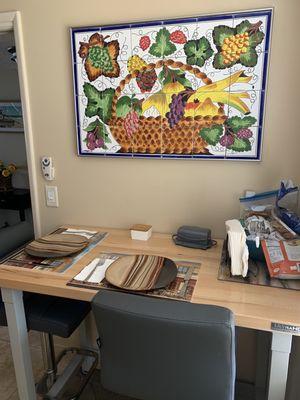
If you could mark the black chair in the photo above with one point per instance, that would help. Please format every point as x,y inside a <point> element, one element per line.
<point>61,317</point>
<point>157,349</point>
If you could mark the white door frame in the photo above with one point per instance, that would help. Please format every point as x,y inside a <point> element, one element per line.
<point>12,21</point>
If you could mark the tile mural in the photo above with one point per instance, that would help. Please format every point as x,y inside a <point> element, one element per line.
<point>183,88</point>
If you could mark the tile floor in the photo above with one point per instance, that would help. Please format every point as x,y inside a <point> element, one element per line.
<point>93,390</point>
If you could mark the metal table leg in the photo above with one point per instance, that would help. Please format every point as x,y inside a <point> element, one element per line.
<point>280,355</point>
<point>14,308</point>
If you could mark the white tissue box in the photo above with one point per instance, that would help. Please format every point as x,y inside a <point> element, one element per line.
<point>141,232</point>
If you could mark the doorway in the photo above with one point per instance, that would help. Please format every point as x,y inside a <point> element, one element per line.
<point>19,217</point>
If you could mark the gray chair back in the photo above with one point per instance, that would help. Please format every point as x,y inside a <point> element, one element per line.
<point>157,349</point>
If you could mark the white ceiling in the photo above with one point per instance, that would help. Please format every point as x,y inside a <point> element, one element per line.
<point>6,40</point>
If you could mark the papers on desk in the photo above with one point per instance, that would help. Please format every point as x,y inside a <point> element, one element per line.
<point>82,232</point>
<point>94,272</point>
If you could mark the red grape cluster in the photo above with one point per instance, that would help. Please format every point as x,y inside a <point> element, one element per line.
<point>177,106</point>
<point>244,133</point>
<point>146,80</point>
<point>131,122</point>
<point>144,42</point>
<point>227,140</point>
<point>93,141</point>
<point>178,37</point>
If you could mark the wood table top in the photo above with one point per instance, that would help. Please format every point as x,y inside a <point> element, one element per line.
<point>254,306</point>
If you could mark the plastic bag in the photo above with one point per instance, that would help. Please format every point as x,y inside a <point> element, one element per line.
<point>260,204</point>
<point>287,205</point>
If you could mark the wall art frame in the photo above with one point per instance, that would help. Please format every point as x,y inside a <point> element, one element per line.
<point>186,88</point>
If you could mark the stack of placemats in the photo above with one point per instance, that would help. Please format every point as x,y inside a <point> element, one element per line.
<point>57,245</point>
<point>141,272</point>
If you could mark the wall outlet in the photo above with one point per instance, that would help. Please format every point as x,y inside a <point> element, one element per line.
<point>51,196</point>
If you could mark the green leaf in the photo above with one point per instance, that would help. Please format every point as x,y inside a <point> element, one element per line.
<point>92,126</point>
<point>123,106</point>
<point>220,33</point>
<point>102,131</point>
<point>240,145</point>
<point>237,123</point>
<point>168,75</point>
<point>185,82</point>
<point>249,59</point>
<point>198,51</point>
<point>243,26</point>
<point>256,38</point>
<point>99,129</point>
<point>137,105</point>
<point>99,102</point>
<point>161,75</point>
<point>212,135</point>
<point>218,62</point>
<point>162,46</point>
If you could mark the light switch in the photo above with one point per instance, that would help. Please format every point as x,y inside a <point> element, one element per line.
<point>51,196</point>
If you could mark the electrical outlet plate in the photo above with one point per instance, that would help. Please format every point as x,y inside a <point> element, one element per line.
<point>51,196</point>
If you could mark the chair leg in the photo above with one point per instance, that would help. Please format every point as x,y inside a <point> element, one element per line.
<point>49,358</point>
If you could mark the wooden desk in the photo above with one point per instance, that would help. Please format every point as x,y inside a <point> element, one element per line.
<point>254,306</point>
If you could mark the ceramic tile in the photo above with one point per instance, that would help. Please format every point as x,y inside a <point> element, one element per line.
<point>91,141</point>
<point>256,80</point>
<point>177,136</point>
<point>146,83</point>
<point>245,148</point>
<point>210,113</point>
<point>143,36</point>
<point>244,106</point>
<point>245,103</point>
<point>147,140</point>
<point>118,82</point>
<point>82,36</point>
<point>179,33</point>
<point>257,23</point>
<point>121,128</point>
<point>122,34</point>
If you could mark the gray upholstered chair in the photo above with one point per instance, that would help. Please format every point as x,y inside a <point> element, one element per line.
<point>156,349</point>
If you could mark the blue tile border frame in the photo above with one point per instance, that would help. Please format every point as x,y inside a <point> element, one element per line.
<point>268,13</point>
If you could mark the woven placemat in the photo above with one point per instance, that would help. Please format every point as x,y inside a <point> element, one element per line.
<point>182,288</point>
<point>20,258</point>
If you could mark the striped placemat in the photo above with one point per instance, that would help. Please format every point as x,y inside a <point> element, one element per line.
<point>182,288</point>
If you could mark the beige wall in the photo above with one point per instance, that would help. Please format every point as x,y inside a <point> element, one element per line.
<point>165,193</point>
